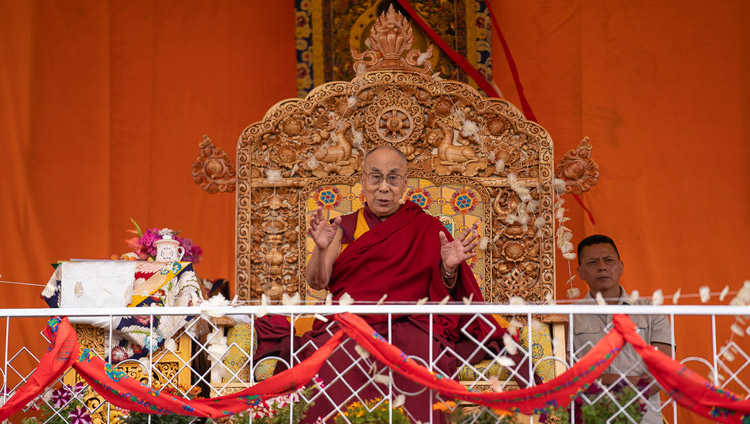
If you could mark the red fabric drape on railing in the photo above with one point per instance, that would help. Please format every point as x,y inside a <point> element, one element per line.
<point>686,387</point>
<point>60,356</point>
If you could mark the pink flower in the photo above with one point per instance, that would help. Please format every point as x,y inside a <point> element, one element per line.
<point>60,397</point>
<point>79,416</point>
<point>148,240</point>
<point>143,319</point>
<point>192,251</point>
<point>78,388</point>
<point>119,354</point>
<point>319,381</point>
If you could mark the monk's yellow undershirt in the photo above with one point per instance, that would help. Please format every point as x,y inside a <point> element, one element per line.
<point>360,228</point>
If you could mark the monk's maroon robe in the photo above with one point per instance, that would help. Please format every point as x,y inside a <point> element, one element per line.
<point>399,257</point>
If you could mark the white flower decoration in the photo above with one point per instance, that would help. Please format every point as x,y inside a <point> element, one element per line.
<point>510,344</point>
<point>559,186</point>
<point>346,299</point>
<point>290,300</point>
<point>362,351</point>
<point>573,293</point>
<point>676,296</point>
<point>424,56</point>
<point>351,102</point>
<point>399,401</point>
<point>209,307</point>
<point>657,298</point>
<point>382,379</point>
<point>469,129</point>
<point>506,362</point>
<point>515,300</point>
<point>724,293</point>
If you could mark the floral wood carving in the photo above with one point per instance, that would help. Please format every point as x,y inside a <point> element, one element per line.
<point>389,38</point>
<point>578,169</point>
<point>213,170</point>
<point>449,134</point>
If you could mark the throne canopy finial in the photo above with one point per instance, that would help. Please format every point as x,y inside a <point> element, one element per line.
<point>391,35</point>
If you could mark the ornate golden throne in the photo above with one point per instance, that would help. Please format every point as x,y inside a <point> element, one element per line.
<point>471,160</point>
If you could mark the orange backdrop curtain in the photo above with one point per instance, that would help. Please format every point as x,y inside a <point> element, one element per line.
<point>662,90</point>
<point>103,103</point>
<point>102,107</point>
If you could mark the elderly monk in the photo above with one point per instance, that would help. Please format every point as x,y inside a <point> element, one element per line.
<point>398,250</point>
<point>386,247</point>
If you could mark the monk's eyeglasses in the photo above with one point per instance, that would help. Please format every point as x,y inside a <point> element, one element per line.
<point>393,180</point>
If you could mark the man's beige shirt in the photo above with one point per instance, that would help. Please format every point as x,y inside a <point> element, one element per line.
<point>589,329</point>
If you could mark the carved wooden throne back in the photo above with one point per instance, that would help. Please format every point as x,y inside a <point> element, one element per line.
<point>470,158</point>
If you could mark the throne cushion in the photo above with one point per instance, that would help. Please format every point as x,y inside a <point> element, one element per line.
<point>541,348</point>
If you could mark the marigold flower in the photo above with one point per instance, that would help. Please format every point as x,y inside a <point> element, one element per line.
<point>501,412</point>
<point>444,405</point>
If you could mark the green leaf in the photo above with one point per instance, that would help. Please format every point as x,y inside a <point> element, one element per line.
<point>137,228</point>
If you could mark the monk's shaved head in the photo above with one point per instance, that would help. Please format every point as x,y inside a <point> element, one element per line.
<point>389,148</point>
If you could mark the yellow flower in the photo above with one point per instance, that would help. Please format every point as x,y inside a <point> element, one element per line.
<point>501,412</point>
<point>444,406</point>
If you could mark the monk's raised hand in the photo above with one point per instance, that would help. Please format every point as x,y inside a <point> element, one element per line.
<point>453,253</point>
<point>320,230</point>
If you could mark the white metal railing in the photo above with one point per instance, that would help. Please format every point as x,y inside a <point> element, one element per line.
<point>202,337</point>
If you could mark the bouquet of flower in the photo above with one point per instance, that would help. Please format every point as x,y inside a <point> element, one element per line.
<point>371,411</point>
<point>605,409</point>
<point>144,247</point>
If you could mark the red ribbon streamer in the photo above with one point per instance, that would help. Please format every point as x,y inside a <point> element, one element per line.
<point>685,387</point>
<point>525,106</point>
<point>461,61</point>
<point>585,209</point>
